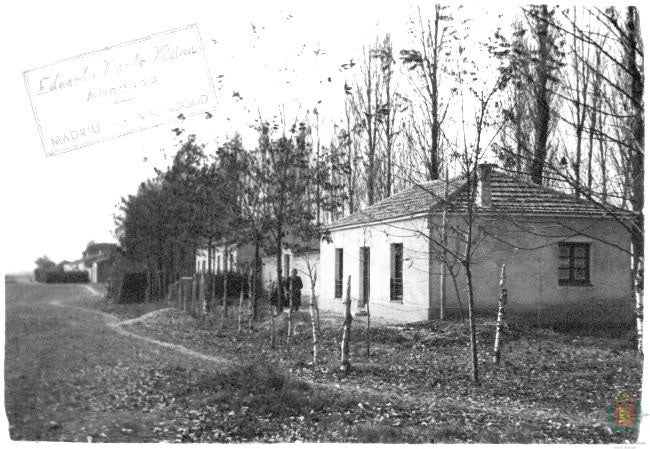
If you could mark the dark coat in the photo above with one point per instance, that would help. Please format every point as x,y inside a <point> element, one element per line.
<point>297,286</point>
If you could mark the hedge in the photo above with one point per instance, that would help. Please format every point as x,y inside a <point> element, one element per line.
<point>235,281</point>
<point>60,277</point>
<point>133,288</point>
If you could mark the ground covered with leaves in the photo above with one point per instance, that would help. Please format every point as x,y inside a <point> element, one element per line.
<point>414,386</point>
<point>71,377</point>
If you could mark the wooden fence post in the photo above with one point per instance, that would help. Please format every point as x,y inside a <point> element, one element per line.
<point>178,295</point>
<point>193,296</point>
<point>224,305</point>
<point>314,333</point>
<point>182,290</point>
<point>251,299</point>
<point>345,341</point>
<point>148,291</point>
<point>242,283</point>
<point>213,294</point>
<point>271,309</point>
<point>503,298</point>
<point>202,305</point>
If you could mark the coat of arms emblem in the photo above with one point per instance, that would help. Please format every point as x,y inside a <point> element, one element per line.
<point>625,413</point>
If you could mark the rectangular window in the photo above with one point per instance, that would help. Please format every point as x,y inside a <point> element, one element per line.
<point>574,264</point>
<point>203,266</point>
<point>338,273</point>
<point>396,265</point>
<point>218,263</point>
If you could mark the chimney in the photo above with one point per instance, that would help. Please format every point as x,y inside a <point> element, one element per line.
<point>484,186</point>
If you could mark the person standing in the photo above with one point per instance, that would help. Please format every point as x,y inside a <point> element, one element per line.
<point>294,282</point>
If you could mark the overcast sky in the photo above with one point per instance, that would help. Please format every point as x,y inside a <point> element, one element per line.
<point>275,54</point>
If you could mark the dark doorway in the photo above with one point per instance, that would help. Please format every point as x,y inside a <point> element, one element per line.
<point>364,258</point>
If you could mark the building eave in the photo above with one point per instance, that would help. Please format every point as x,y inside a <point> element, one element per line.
<point>480,213</point>
<point>378,222</point>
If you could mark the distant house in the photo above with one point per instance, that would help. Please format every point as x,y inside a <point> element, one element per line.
<point>97,260</point>
<point>77,265</point>
<point>565,257</point>
<point>66,265</point>
<point>101,269</point>
<point>99,249</point>
<point>232,257</point>
<point>305,261</point>
<point>224,257</point>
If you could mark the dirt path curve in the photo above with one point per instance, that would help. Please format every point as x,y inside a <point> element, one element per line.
<point>113,323</point>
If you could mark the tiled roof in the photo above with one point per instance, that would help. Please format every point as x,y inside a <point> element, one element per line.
<point>414,200</point>
<point>510,195</point>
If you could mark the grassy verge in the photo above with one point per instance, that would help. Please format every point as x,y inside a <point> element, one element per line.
<point>551,386</point>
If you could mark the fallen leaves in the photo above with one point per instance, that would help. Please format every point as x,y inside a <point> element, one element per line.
<point>94,385</point>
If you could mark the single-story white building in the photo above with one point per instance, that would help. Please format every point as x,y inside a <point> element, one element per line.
<point>566,258</point>
<point>304,257</point>
<point>306,262</point>
<point>228,257</point>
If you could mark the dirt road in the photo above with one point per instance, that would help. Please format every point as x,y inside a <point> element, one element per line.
<point>72,374</point>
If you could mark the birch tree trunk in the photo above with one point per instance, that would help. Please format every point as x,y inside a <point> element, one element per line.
<point>472,325</point>
<point>317,314</point>
<point>638,303</point>
<point>503,298</point>
<point>272,323</point>
<point>631,46</point>
<point>314,333</point>
<point>345,340</point>
<point>290,314</point>
<point>368,327</point>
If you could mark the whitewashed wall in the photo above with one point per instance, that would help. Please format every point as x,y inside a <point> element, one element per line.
<point>413,235</point>
<point>242,257</point>
<point>305,263</point>
<point>532,269</point>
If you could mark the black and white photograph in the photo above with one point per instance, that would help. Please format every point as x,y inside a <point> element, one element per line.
<point>323,222</point>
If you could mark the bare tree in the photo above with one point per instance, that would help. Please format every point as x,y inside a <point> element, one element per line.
<point>620,83</point>
<point>533,65</point>
<point>432,37</point>
<point>365,103</point>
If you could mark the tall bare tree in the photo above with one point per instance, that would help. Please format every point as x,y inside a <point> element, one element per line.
<point>432,37</point>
